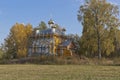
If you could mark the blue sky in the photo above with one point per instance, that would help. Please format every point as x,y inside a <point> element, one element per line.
<point>63,12</point>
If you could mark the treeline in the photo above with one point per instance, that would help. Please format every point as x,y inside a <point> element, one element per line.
<point>100,36</point>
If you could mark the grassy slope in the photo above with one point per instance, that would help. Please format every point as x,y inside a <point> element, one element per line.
<point>59,72</point>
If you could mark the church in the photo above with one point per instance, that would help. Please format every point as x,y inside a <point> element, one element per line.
<point>51,41</point>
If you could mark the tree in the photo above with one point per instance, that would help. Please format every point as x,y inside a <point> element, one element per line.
<point>1,53</point>
<point>116,37</point>
<point>16,43</point>
<point>10,47</point>
<point>42,25</point>
<point>97,18</point>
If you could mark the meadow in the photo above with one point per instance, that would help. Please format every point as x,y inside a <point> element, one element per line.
<point>58,72</point>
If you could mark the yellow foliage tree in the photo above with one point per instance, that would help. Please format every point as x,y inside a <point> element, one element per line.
<point>20,34</point>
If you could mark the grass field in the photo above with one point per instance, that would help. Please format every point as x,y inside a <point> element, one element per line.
<point>59,72</point>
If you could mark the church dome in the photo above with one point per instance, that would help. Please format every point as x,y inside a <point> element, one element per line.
<point>63,29</point>
<point>50,22</point>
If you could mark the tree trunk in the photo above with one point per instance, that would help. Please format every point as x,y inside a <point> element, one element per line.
<point>99,50</point>
<point>99,46</point>
<point>98,36</point>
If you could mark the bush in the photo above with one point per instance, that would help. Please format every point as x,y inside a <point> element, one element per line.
<point>62,60</point>
<point>45,60</point>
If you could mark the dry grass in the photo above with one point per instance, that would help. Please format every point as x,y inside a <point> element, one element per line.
<point>59,72</point>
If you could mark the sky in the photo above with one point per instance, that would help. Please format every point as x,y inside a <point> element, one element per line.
<point>63,12</point>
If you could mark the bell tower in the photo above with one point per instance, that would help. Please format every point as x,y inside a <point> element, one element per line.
<point>52,25</point>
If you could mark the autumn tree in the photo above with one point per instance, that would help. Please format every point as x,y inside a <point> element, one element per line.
<point>97,18</point>
<point>17,41</point>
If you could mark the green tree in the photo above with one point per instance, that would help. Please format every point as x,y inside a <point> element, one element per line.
<point>116,37</point>
<point>42,25</point>
<point>10,47</point>
<point>97,18</point>
<point>1,53</point>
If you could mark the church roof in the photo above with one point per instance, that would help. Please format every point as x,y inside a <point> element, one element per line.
<point>54,29</point>
<point>66,43</point>
<point>47,31</point>
<point>50,31</point>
